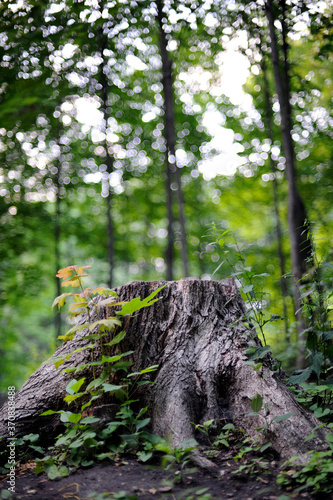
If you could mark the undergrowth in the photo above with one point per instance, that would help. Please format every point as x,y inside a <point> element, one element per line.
<point>106,380</point>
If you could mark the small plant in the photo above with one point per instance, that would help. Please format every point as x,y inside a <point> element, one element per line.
<point>314,475</point>
<point>178,459</point>
<point>316,295</point>
<point>120,495</point>
<point>250,282</point>
<point>195,494</point>
<point>215,438</point>
<point>83,440</point>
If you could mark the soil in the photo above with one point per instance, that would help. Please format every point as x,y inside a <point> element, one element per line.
<point>150,482</point>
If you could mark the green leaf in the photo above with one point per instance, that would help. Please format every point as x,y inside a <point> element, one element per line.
<point>239,257</point>
<point>317,359</point>
<point>256,403</point>
<point>74,385</point>
<point>53,471</point>
<point>48,412</point>
<point>136,304</point>
<point>327,264</point>
<point>61,300</point>
<point>275,317</point>
<point>327,335</point>
<point>74,418</point>
<point>144,456</point>
<point>76,444</point>
<point>247,288</point>
<point>145,370</point>
<point>94,383</point>
<point>255,353</point>
<point>73,397</point>
<point>39,467</point>
<point>64,416</point>
<point>90,420</point>
<point>300,376</point>
<point>265,446</point>
<point>112,388</point>
<point>112,359</point>
<point>118,338</point>
<point>142,423</point>
<point>62,440</point>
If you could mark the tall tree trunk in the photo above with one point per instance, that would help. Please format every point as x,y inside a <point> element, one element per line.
<point>57,230</point>
<point>196,337</point>
<point>278,228</point>
<point>170,137</point>
<point>109,161</point>
<point>301,250</point>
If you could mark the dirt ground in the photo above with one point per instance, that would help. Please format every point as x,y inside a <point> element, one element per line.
<point>149,482</point>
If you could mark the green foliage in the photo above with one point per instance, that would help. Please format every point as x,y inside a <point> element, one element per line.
<point>315,475</point>
<point>316,295</point>
<point>83,439</point>
<point>178,458</point>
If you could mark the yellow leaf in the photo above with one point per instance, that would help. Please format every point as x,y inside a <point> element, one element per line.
<point>80,270</point>
<point>74,281</point>
<point>61,300</point>
<point>66,272</point>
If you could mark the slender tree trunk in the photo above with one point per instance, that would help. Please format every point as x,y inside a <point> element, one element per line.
<point>196,337</point>
<point>169,253</point>
<point>298,226</point>
<point>57,231</point>
<point>278,228</point>
<point>109,161</point>
<point>170,137</point>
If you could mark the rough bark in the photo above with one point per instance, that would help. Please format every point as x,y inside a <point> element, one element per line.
<point>195,335</point>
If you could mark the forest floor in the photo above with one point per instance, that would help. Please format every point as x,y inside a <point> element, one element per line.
<point>131,480</point>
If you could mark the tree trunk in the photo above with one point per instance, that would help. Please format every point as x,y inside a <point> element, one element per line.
<point>300,243</point>
<point>196,336</point>
<point>170,137</point>
<point>57,237</point>
<point>109,160</point>
<point>268,116</point>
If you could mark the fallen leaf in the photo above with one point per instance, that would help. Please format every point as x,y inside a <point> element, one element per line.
<point>164,489</point>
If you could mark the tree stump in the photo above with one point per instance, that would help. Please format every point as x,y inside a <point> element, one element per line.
<point>196,336</point>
